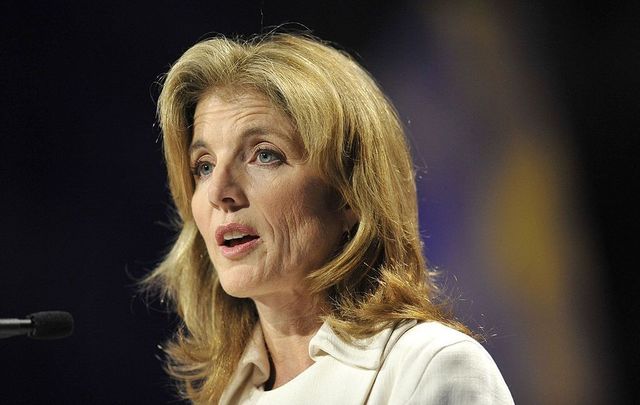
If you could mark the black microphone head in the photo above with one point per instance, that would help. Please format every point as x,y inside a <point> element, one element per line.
<point>51,325</point>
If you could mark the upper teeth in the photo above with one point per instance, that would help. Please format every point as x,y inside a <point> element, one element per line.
<point>234,235</point>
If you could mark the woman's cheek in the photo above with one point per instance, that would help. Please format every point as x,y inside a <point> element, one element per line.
<point>200,210</point>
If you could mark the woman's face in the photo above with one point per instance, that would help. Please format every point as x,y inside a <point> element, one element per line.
<point>266,215</point>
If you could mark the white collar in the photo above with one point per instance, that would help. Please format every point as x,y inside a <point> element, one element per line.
<point>360,360</point>
<point>368,353</point>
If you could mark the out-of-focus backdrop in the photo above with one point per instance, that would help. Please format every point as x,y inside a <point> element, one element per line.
<point>521,118</point>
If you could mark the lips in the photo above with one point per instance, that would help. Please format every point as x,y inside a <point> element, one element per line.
<point>236,240</point>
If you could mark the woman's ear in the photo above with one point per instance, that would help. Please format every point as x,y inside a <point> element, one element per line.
<point>351,218</point>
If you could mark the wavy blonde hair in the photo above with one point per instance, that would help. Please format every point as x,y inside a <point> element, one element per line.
<point>352,133</point>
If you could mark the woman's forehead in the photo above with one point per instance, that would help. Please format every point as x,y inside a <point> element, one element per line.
<point>243,112</point>
<point>239,101</point>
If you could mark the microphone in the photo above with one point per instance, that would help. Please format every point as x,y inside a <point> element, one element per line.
<point>39,325</point>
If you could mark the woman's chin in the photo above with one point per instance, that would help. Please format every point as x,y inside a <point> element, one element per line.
<point>240,287</point>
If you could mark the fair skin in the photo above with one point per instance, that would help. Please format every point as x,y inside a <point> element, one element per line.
<point>267,218</point>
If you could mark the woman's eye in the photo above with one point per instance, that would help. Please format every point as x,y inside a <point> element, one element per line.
<point>266,156</point>
<point>202,169</point>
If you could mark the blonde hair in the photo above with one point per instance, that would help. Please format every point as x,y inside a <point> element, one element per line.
<point>352,133</point>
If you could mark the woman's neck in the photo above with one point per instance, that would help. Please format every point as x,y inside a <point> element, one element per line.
<point>288,324</point>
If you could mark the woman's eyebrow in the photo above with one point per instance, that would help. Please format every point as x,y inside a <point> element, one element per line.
<point>249,132</point>
<point>262,130</point>
<point>199,144</point>
<point>277,132</point>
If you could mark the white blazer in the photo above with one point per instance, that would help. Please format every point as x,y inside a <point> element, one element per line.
<point>412,363</point>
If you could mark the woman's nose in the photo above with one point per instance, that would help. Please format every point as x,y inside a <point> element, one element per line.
<point>225,189</point>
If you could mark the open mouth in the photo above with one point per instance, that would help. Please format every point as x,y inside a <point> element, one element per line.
<point>239,241</point>
<point>236,240</point>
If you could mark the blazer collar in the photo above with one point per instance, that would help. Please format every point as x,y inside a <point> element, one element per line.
<point>368,353</point>
<point>359,360</point>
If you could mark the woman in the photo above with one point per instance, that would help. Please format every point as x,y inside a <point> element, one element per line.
<point>298,269</point>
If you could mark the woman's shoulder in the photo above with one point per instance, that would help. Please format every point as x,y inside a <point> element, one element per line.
<point>430,362</point>
<point>433,343</point>
<point>429,336</point>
